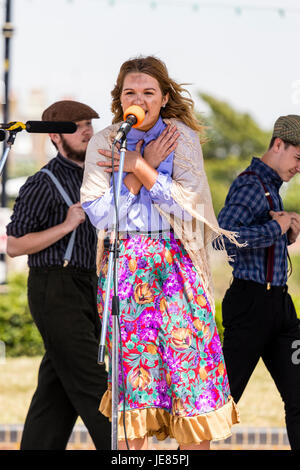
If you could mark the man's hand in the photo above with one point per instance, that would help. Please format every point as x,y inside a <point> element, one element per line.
<point>37,241</point>
<point>283,218</point>
<point>294,229</point>
<point>75,216</point>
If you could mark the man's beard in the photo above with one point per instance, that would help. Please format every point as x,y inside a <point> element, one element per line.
<point>71,153</point>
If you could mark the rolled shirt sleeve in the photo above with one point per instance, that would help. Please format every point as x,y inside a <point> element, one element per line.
<point>239,213</point>
<point>30,212</point>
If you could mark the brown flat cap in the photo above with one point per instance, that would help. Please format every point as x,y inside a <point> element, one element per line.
<point>288,129</point>
<point>68,110</point>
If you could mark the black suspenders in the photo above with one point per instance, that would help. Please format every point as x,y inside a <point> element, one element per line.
<point>69,203</point>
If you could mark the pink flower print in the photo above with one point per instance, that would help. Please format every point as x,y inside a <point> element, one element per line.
<point>139,246</point>
<point>215,345</point>
<point>149,335</point>
<point>163,400</point>
<point>151,318</point>
<point>125,290</point>
<point>205,402</point>
<point>173,362</point>
<point>172,285</point>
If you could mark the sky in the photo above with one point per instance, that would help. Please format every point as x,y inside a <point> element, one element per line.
<point>74,48</point>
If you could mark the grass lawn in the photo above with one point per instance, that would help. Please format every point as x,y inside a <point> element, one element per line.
<point>260,405</point>
<point>18,377</point>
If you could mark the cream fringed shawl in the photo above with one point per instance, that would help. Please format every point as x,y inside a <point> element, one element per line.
<point>189,189</point>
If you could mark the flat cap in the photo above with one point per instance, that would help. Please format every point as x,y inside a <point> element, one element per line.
<point>288,129</point>
<point>68,110</point>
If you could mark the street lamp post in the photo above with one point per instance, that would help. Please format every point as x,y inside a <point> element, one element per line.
<point>7,33</point>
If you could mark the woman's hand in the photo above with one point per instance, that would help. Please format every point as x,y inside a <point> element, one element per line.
<point>130,160</point>
<point>158,150</point>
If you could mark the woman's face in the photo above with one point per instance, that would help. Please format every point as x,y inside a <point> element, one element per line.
<point>143,90</point>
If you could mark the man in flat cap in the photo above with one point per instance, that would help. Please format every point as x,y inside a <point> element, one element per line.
<point>259,317</point>
<point>62,289</point>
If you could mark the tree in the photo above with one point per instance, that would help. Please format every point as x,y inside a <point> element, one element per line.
<point>230,132</point>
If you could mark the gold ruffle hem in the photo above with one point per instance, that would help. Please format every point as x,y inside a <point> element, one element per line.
<point>212,426</point>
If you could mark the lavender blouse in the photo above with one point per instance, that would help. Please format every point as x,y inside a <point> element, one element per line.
<point>137,213</point>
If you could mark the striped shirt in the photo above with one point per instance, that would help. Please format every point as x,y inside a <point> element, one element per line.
<point>246,211</point>
<point>40,206</point>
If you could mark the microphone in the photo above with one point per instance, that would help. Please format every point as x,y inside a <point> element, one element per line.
<point>133,117</point>
<point>48,127</point>
<point>58,127</point>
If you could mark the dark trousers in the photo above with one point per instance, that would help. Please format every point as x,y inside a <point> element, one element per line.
<point>260,323</point>
<point>62,302</point>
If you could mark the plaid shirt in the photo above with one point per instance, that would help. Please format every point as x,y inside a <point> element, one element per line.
<point>246,211</point>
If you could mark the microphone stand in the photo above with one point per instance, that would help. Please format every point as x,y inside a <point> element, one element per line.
<point>113,270</point>
<point>9,143</point>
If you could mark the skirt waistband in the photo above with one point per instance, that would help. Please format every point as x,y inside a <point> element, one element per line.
<point>154,234</point>
<point>146,233</point>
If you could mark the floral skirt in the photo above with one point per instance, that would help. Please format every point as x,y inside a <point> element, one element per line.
<point>174,373</point>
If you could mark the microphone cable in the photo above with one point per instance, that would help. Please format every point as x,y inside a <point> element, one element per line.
<point>116,255</point>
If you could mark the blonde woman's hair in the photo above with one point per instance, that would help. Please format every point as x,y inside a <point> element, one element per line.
<point>178,106</point>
